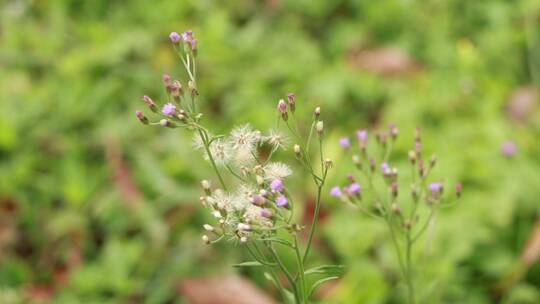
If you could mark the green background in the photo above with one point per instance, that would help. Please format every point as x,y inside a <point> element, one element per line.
<point>96,208</point>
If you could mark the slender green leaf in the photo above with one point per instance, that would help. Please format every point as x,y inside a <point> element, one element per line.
<point>326,270</point>
<point>318,283</point>
<point>248,264</point>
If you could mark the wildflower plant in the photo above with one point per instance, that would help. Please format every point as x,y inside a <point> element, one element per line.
<point>251,200</point>
<point>408,216</point>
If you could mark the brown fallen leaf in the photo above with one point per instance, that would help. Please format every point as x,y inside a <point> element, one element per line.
<point>230,289</point>
<point>385,61</point>
<point>121,174</point>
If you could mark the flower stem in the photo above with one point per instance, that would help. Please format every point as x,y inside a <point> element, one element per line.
<point>204,138</point>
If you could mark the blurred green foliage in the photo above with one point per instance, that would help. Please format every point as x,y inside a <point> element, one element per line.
<point>96,209</point>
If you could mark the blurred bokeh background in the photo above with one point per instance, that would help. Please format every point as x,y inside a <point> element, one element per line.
<point>95,208</point>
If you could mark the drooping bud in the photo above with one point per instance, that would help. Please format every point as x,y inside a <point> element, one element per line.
<point>141,117</point>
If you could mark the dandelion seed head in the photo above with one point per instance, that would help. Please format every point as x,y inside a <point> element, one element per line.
<point>276,139</point>
<point>221,152</point>
<point>276,170</point>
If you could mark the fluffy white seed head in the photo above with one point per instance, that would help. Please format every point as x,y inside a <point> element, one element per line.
<point>276,170</point>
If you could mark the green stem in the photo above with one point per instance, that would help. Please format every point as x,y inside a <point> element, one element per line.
<point>211,158</point>
<point>285,271</point>
<point>300,271</point>
<point>314,221</point>
<point>409,279</point>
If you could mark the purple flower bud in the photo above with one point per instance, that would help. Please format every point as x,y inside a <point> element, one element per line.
<point>276,185</point>
<point>282,106</point>
<point>187,36</point>
<point>345,142</point>
<point>141,117</point>
<point>508,148</point>
<point>291,98</point>
<point>193,43</point>
<point>435,187</point>
<point>384,167</point>
<point>257,200</point>
<point>168,109</point>
<point>166,79</point>
<point>335,191</point>
<point>267,213</point>
<point>459,187</point>
<point>148,100</point>
<point>282,201</point>
<point>350,177</point>
<point>175,38</point>
<point>353,189</point>
<point>362,136</point>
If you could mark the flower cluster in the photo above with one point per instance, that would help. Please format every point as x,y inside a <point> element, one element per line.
<point>405,216</point>
<point>252,206</point>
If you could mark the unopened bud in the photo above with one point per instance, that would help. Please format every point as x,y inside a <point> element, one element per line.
<point>206,239</point>
<point>182,117</point>
<point>167,123</point>
<point>243,227</point>
<point>393,131</point>
<point>459,187</point>
<point>206,186</point>
<point>407,224</point>
<point>291,100</point>
<point>357,161</point>
<point>317,112</point>
<point>166,79</point>
<point>150,103</point>
<point>282,106</point>
<point>297,151</point>
<point>395,208</point>
<point>394,189</point>
<point>328,163</point>
<point>319,127</point>
<point>433,161</point>
<point>412,157</point>
<point>414,193</point>
<point>141,117</point>
<point>192,88</point>
<point>175,88</point>
<point>208,228</point>
<point>260,180</point>
<point>243,239</point>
